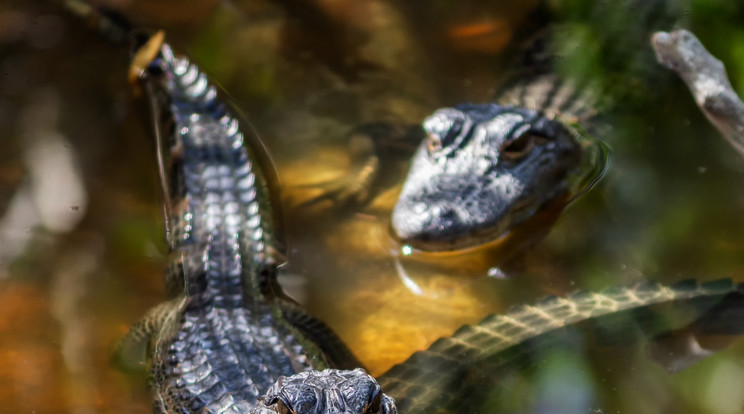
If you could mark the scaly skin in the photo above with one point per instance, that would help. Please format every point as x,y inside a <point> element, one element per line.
<point>224,343</point>
<point>482,170</point>
<point>224,339</point>
<point>467,365</point>
<point>459,374</point>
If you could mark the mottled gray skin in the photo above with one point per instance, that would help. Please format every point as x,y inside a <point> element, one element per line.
<point>225,337</point>
<point>224,344</point>
<point>328,391</point>
<point>481,170</point>
<point>461,373</point>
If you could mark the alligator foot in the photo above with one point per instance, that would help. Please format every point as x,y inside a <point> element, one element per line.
<point>130,352</point>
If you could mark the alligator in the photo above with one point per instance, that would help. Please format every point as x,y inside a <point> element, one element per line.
<point>478,171</point>
<point>461,373</point>
<point>229,341</point>
<point>500,162</point>
<point>229,332</point>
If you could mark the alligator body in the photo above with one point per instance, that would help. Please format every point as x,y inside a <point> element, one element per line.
<point>479,170</point>
<point>229,341</point>
<point>461,373</point>
<point>226,336</point>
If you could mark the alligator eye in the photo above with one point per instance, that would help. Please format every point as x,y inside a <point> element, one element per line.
<point>519,147</point>
<point>444,131</point>
<point>433,143</point>
<point>375,404</point>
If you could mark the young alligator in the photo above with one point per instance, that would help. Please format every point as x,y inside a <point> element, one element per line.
<point>482,170</point>
<point>479,170</point>
<point>228,334</point>
<point>461,373</point>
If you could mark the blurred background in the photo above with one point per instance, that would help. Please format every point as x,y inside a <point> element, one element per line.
<point>81,235</point>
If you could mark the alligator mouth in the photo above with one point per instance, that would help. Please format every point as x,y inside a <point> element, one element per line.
<point>502,246</point>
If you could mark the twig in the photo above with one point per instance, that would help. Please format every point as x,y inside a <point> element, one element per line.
<point>706,78</point>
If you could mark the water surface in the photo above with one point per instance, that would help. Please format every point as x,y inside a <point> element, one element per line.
<point>81,245</point>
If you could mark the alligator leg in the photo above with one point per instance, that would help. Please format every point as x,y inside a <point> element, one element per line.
<point>351,189</point>
<point>130,352</point>
<point>373,148</point>
<point>319,333</point>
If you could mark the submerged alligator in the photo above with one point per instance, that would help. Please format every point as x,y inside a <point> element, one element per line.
<point>229,333</point>
<point>478,170</point>
<point>499,163</point>
<point>229,342</point>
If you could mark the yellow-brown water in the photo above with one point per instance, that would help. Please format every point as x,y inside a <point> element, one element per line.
<point>78,267</point>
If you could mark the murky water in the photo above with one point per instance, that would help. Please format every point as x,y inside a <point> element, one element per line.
<point>81,250</point>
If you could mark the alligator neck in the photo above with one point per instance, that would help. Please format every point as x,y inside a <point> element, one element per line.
<point>219,233</point>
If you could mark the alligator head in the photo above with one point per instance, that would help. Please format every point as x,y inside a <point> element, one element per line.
<point>326,392</point>
<point>482,169</point>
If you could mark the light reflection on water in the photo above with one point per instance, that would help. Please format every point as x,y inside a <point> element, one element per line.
<point>668,209</point>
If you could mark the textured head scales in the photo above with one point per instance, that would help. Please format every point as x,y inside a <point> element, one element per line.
<point>482,169</point>
<point>326,392</point>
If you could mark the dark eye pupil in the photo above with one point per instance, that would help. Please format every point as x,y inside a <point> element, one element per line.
<point>517,145</point>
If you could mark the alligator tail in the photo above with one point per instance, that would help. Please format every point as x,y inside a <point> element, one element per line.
<point>473,360</point>
<point>568,70</point>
